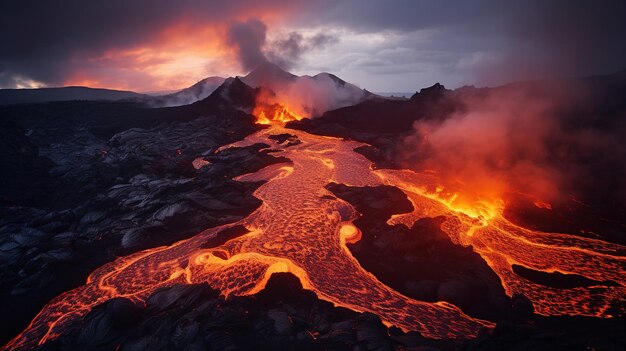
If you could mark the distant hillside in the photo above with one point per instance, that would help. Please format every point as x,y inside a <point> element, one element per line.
<point>30,96</point>
<point>187,96</point>
<point>314,94</point>
<point>268,75</point>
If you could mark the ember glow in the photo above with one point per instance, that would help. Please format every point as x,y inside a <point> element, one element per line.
<point>303,229</point>
<point>268,114</point>
<point>268,111</point>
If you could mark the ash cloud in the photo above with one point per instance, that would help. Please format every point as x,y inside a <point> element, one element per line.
<point>288,49</point>
<point>36,45</point>
<point>249,39</point>
<point>548,140</point>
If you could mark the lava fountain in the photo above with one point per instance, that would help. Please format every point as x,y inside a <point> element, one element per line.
<point>303,229</point>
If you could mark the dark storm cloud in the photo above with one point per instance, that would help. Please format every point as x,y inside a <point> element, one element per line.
<point>285,51</point>
<point>520,39</point>
<point>488,40</point>
<point>38,37</point>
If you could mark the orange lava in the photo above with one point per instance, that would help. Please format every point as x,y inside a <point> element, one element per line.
<point>268,111</point>
<point>503,244</point>
<point>268,114</point>
<point>303,229</point>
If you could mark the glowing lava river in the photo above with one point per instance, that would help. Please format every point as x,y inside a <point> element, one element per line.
<point>303,229</point>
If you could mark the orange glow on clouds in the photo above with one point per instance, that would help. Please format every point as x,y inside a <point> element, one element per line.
<point>175,61</point>
<point>178,56</point>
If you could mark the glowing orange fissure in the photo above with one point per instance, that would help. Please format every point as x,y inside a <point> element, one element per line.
<point>300,229</point>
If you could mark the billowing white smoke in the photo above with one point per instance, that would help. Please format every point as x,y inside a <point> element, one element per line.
<point>312,96</point>
<point>194,93</point>
<point>305,96</point>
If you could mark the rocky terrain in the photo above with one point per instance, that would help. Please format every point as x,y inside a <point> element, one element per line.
<point>74,196</point>
<point>286,317</point>
<point>90,181</point>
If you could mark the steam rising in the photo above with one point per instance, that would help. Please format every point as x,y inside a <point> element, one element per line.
<point>304,96</point>
<point>547,141</point>
<point>312,96</point>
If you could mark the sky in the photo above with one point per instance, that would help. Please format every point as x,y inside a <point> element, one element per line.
<point>380,45</point>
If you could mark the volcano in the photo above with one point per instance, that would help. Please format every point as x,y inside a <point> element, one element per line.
<point>194,93</point>
<point>307,96</point>
<point>285,212</point>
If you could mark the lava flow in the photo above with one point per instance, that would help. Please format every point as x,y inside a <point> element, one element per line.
<point>303,229</point>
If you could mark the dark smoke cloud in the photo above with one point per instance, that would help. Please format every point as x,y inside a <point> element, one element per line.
<point>249,39</point>
<point>285,51</point>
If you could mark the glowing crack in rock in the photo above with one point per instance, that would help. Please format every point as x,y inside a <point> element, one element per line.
<point>301,228</point>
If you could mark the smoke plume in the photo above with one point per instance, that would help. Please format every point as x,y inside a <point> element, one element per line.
<point>249,39</point>
<point>287,49</point>
<point>311,97</point>
<point>546,140</point>
<point>253,48</point>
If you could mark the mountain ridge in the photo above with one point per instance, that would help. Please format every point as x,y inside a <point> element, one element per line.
<point>69,93</point>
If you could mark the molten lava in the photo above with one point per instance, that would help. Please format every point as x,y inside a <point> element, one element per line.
<point>269,110</point>
<point>301,228</point>
<point>268,114</point>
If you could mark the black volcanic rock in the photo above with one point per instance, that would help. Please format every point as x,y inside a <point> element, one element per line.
<point>22,168</point>
<point>381,117</point>
<point>286,317</point>
<point>558,280</point>
<point>138,207</point>
<point>436,90</point>
<point>232,93</point>
<point>381,123</point>
<point>286,139</point>
<point>421,262</point>
<point>89,181</point>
